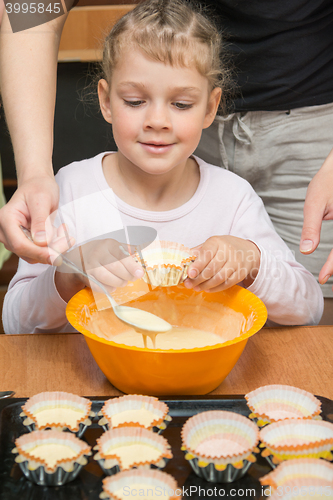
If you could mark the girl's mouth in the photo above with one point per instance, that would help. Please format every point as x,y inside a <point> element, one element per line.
<point>156,148</point>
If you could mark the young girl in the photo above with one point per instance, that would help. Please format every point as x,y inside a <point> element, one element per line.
<point>162,86</point>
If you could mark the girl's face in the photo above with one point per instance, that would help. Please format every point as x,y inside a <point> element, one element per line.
<point>157,111</point>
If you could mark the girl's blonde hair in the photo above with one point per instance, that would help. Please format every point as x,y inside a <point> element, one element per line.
<point>172,32</point>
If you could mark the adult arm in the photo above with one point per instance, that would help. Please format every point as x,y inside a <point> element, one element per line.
<point>318,206</point>
<point>28,66</point>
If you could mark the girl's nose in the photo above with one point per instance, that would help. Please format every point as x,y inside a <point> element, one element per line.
<point>157,118</point>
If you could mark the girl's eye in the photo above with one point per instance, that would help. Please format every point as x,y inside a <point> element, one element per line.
<point>182,105</point>
<point>133,103</point>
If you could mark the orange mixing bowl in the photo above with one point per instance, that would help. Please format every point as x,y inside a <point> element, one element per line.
<point>158,372</point>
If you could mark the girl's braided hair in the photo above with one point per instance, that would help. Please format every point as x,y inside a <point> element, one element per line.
<point>174,32</point>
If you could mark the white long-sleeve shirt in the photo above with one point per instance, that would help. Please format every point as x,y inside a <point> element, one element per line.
<point>223,204</point>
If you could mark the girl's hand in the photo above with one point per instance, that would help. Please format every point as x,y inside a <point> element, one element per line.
<point>110,263</point>
<point>104,260</point>
<point>223,261</point>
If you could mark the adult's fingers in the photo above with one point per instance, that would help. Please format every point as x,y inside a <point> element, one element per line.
<point>17,213</point>
<point>314,211</point>
<point>318,205</point>
<point>16,241</point>
<point>327,269</point>
<point>40,207</point>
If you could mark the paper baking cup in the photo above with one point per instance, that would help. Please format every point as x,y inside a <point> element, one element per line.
<point>135,410</point>
<point>220,445</point>
<point>58,411</point>
<point>125,448</point>
<point>165,263</point>
<point>272,403</point>
<point>292,438</point>
<point>49,472</point>
<point>304,489</point>
<point>300,469</point>
<point>153,483</point>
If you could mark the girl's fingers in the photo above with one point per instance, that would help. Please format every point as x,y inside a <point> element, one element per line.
<point>212,269</point>
<point>107,278</point>
<point>232,280</point>
<point>119,255</point>
<point>205,263</point>
<point>59,246</point>
<point>124,269</point>
<point>223,286</point>
<point>221,277</point>
<point>109,255</point>
<point>134,268</point>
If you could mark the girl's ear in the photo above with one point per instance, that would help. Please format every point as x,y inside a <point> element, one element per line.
<point>104,100</point>
<point>212,106</point>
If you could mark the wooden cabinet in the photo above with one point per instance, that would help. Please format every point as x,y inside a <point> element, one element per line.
<point>85,29</point>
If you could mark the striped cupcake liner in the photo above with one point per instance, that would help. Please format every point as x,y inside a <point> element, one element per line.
<point>293,438</point>
<point>135,410</point>
<point>40,470</point>
<point>151,480</point>
<point>115,441</point>
<point>165,263</point>
<point>47,410</point>
<point>273,403</point>
<point>220,445</point>
<point>305,469</point>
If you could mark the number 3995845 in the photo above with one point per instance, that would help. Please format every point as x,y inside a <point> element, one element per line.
<point>32,8</point>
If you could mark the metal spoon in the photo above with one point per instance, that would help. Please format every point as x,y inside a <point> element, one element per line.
<point>6,394</point>
<point>142,318</point>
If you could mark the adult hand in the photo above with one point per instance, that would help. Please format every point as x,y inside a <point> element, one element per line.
<point>30,206</point>
<point>28,58</point>
<point>223,261</point>
<point>318,206</point>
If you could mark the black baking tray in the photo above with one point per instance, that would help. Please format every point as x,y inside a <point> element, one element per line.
<point>88,485</point>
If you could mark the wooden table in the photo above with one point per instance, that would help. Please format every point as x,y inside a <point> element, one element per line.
<point>298,356</point>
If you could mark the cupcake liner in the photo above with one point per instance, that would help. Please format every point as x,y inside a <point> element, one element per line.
<point>220,445</point>
<point>304,489</point>
<point>299,468</point>
<point>58,411</point>
<point>50,471</point>
<point>292,438</point>
<point>117,449</point>
<point>165,263</point>
<point>162,484</point>
<point>135,410</point>
<point>272,403</point>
